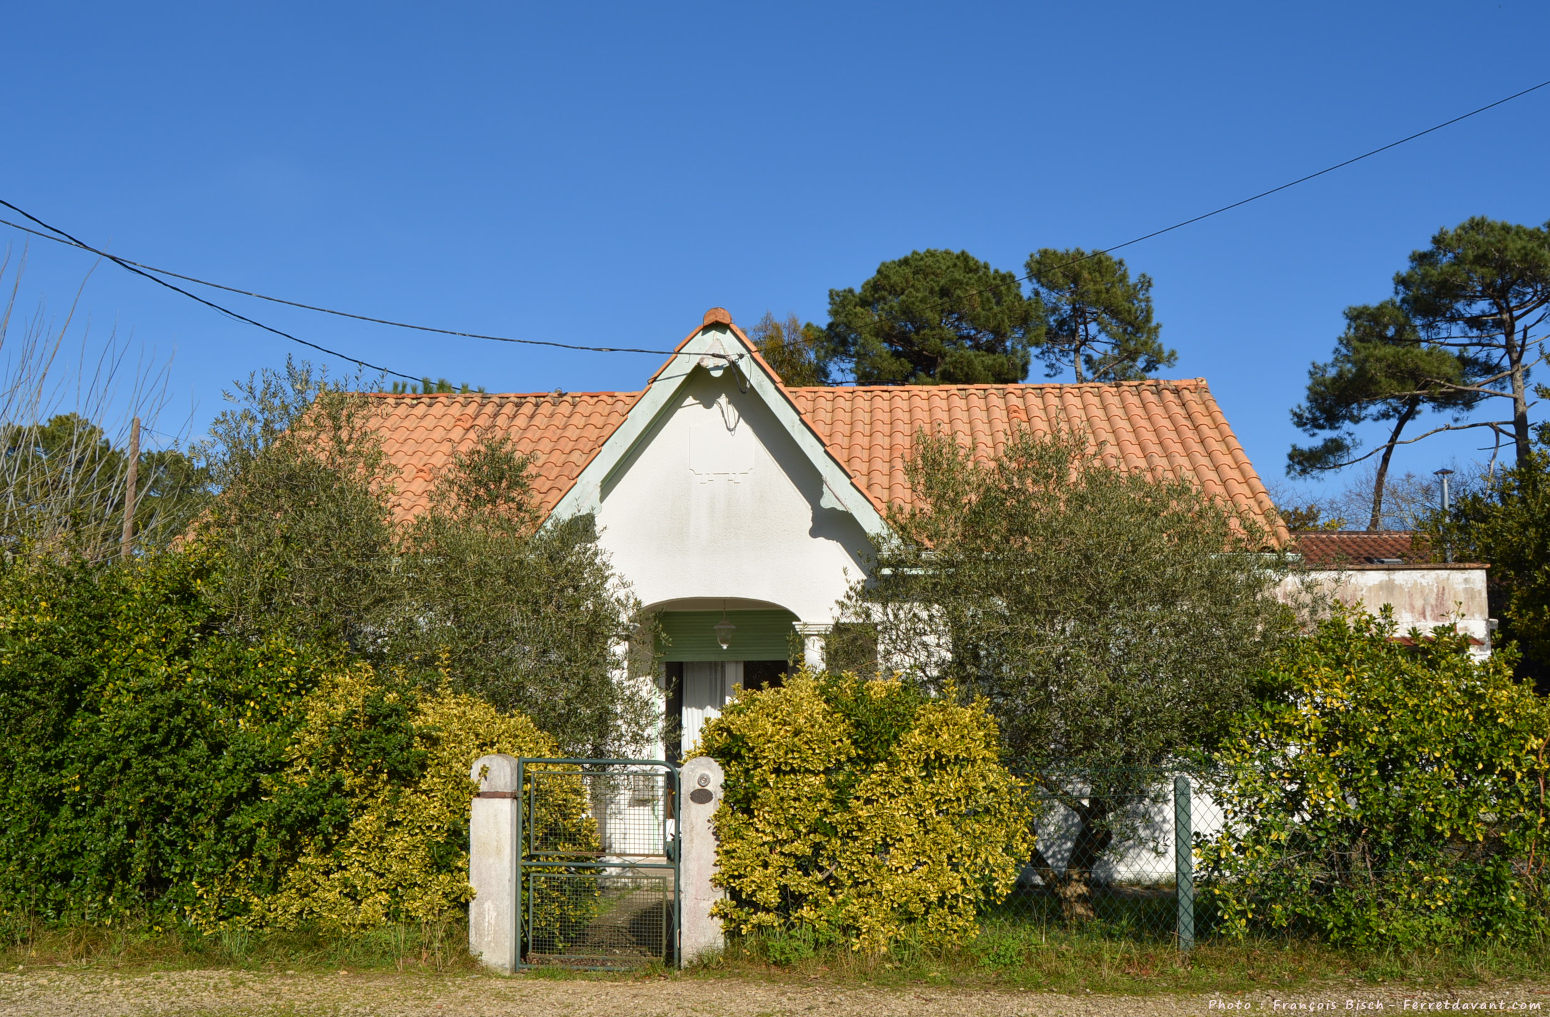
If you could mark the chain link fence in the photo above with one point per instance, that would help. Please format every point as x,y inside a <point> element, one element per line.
<point>1177,857</point>
<point>1180,858</point>
<point>1115,855</point>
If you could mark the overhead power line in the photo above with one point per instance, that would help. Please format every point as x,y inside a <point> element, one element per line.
<point>1302,179</point>
<point>1329,169</point>
<point>1028,276</point>
<point>137,270</point>
<point>155,273</point>
<point>69,241</point>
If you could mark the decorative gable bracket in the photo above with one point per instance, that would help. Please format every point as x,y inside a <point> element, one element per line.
<point>718,345</point>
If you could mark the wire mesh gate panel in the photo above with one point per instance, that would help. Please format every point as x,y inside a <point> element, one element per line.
<point>597,862</point>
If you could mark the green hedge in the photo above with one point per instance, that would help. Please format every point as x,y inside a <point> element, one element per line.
<point>394,765</point>
<point>160,771</point>
<point>134,739</point>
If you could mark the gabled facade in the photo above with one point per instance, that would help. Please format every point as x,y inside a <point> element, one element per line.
<point>721,494</point>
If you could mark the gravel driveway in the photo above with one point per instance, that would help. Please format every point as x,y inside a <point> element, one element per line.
<point>51,992</point>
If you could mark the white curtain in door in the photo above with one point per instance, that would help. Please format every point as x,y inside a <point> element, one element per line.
<point>707,687</point>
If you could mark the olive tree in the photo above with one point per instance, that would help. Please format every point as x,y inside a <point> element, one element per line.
<point>528,617</point>
<point>1111,620</point>
<point>305,539</point>
<point>475,592</point>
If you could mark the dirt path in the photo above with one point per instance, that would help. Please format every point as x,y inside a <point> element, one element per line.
<point>47,993</point>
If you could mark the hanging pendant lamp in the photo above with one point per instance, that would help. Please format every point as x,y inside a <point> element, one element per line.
<point>724,628</point>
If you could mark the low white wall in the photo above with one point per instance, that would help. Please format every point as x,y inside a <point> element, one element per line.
<point>1422,596</point>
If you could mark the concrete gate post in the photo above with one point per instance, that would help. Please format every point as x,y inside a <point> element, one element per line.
<point>492,862</point>
<point>700,934</point>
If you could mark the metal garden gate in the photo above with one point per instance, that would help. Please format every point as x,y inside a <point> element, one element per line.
<point>597,862</point>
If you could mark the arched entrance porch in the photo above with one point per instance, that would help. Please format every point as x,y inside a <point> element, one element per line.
<point>762,643</point>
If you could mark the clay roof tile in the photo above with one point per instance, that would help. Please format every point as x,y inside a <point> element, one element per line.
<point>1354,548</point>
<point>1174,427</point>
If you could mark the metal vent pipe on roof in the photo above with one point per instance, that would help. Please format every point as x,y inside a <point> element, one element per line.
<point>1447,505</point>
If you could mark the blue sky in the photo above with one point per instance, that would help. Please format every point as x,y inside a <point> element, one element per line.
<point>603,173</point>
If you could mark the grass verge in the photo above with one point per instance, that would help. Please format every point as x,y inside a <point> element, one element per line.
<point>1009,954</point>
<point>1071,961</point>
<point>428,947</point>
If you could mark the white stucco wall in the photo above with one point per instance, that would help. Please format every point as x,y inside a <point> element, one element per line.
<point>1422,597</point>
<point>717,501</point>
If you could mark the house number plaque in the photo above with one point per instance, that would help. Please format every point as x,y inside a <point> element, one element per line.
<point>701,796</point>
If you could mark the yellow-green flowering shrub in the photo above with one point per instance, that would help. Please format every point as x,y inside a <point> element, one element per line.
<point>859,810</point>
<point>1386,795</point>
<point>399,850</point>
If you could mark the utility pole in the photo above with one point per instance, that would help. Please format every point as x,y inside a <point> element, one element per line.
<point>127,547</point>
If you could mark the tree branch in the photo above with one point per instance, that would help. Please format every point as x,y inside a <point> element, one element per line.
<point>1451,386</point>
<point>1499,426</point>
<point>1070,801</point>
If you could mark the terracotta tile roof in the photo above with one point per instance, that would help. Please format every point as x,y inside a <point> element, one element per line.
<point>1172,427</point>
<point>422,433</point>
<point>1353,548</point>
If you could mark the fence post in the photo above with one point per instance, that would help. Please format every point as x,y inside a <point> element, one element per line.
<point>700,934</point>
<point>1183,862</point>
<point>492,862</point>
